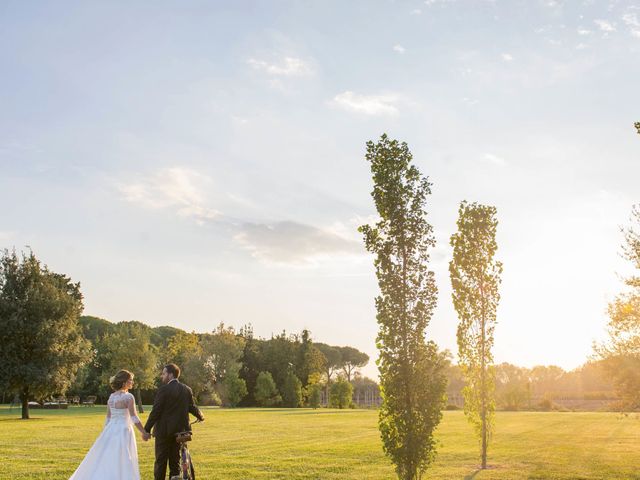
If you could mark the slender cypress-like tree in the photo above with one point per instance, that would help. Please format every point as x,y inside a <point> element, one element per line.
<point>475,279</point>
<point>412,381</point>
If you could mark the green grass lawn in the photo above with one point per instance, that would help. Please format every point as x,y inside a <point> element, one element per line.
<point>335,444</point>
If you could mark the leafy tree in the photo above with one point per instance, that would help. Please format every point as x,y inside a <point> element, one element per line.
<point>180,347</point>
<point>251,362</point>
<point>224,349</point>
<point>546,379</point>
<point>314,395</point>
<point>513,387</point>
<point>341,393</point>
<point>266,393</point>
<point>352,359</point>
<point>309,359</point>
<point>292,391</point>
<point>332,363</point>
<point>232,390</point>
<point>279,355</point>
<point>637,125</point>
<point>475,278</point>
<point>411,376</point>
<point>188,351</point>
<point>620,355</point>
<point>41,342</point>
<point>128,347</point>
<point>94,328</point>
<point>160,336</point>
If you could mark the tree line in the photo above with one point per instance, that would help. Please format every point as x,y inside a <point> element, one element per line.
<point>47,348</point>
<point>542,387</point>
<point>223,367</point>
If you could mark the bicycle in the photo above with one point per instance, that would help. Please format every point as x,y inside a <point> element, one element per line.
<point>187,471</point>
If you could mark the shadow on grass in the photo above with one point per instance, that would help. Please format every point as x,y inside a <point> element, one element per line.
<point>18,419</point>
<point>478,469</point>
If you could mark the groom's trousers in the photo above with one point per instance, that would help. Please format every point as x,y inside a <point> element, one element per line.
<point>167,449</point>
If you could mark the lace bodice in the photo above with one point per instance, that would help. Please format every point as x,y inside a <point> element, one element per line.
<point>122,406</point>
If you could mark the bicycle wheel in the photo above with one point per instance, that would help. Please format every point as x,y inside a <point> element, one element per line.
<point>193,472</point>
<point>185,464</point>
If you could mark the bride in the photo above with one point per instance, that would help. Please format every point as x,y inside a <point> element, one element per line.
<point>114,455</point>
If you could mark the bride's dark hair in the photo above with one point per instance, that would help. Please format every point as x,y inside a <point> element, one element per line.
<point>120,379</point>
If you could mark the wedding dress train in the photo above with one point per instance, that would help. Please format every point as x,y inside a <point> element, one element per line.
<point>114,455</point>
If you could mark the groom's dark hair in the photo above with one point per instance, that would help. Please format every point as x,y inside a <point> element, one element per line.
<point>173,369</point>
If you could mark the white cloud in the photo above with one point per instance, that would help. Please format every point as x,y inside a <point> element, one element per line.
<point>367,104</point>
<point>605,25</point>
<point>633,22</point>
<point>584,32</point>
<point>581,46</point>
<point>433,2</point>
<point>507,57</point>
<point>494,159</point>
<point>416,11</point>
<point>469,101</point>
<point>631,19</point>
<point>399,48</point>
<point>288,67</point>
<point>294,243</point>
<point>177,188</point>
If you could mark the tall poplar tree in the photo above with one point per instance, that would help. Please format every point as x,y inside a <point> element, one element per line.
<point>475,279</point>
<point>412,380</point>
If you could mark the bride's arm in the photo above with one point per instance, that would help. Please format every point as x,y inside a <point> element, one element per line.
<point>106,420</point>
<point>134,414</point>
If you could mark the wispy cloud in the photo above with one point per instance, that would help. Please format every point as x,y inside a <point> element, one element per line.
<point>494,159</point>
<point>399,48</point>
<point>605,25</point>
<point>385,104</point>
<point>287,67</point>
<point>434,2</point>
<point>177,188</point>
<point>632,21</point>
<point>507,57</point>
<point>416,11</point>
<point>584,32</point>
<point>289,242</point>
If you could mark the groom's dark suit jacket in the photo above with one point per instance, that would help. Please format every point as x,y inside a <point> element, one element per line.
<point>171,408</point>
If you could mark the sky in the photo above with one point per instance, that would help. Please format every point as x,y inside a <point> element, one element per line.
<point>199,162</point>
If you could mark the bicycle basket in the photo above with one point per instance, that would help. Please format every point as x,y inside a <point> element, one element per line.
<point>183,437</point>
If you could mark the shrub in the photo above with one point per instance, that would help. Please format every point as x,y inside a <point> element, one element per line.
<point>233,390</point>
<point>266,393</point>
<point>314,395</point>
<point>341,394</point>
<point>292,391</point>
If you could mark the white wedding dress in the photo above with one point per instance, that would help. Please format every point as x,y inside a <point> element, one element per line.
<point>114,455</point>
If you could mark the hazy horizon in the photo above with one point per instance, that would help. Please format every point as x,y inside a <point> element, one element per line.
<point>198,163</point>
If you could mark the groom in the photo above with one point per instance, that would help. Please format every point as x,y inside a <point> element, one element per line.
<point>170,415</point>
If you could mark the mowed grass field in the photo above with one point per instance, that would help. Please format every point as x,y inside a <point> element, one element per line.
<point>333,444</point>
